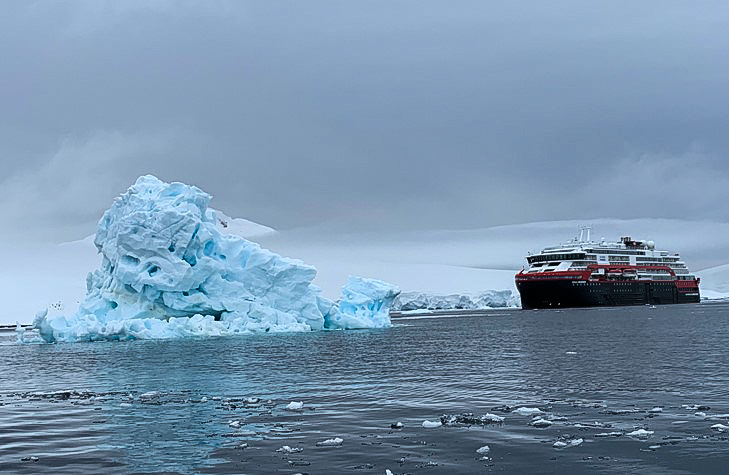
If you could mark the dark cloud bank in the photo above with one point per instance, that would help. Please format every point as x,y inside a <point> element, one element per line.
<point>408,115</point>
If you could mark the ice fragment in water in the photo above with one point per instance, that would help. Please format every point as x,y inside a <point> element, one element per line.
<point>430,424</point>
<point>541,423</point>
<point>483,450</point>
<point>640,433</point>
<point>169,272</point>
<point>527,411</point>
<point>330,442</point>
<point>290,450</point>
<point>295,406</point>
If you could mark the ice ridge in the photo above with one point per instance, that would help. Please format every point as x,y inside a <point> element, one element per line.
<point>408,301</point>
<point>168,271</point>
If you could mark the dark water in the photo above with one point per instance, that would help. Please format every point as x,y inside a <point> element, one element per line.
<point>626,362</point>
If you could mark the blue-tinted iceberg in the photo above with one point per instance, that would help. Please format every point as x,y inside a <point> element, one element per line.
<point>167,271</point>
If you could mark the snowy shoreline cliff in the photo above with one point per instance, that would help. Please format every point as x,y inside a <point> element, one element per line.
<point>168,271</point>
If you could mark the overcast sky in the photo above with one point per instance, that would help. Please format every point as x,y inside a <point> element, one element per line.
<point>407,115</point>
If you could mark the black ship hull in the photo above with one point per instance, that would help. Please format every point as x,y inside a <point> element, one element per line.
<point>560,293</point>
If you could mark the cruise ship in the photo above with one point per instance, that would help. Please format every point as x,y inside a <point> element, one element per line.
<point>586,273</point>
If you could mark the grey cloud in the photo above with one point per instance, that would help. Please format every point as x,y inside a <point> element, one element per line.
<point>394,114</point>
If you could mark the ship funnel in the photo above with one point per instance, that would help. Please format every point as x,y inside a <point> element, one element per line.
<point>584,233</point>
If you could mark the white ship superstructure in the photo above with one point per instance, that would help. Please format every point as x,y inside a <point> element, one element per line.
<point>585,263</point>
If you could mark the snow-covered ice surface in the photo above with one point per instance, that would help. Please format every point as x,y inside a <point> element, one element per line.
<point>411,301</point>
<point>168,271</point>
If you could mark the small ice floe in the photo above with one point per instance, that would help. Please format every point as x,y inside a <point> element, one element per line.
<point>609,434</point>
<point>216,398</point>
<point>570,352</point>
<point>640,433</point>
<point>716,417</point>
<point>469,418</point>
<point>654,447</point>
<point>679,422</point>
<point>388,472</point>
<point>290,450</point>
<point>588,425</point>
<point>204,399</point>
<point>335,442</point>
<point>149,395</point>
<point>619,412</point>
<point>235,424</point>
<point>251,400</point>
<point>483,450</point>
<point>125,404</point>
<point>656,410</point>
<point>541,423</point>
<point>294,406</point>
<point>488,417</point>
<point>700,414</point>
<point>396,425</point>
<point>527,411</point>
<point>430,424</point>
<point>720,427</point>
<point>563,443</point>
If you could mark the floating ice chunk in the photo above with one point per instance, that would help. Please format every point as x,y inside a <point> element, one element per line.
<point>365,303</point>
<point>561,444</point>
<point>290,450</point>
<point>125,404</point>
<point>204,399</point>
<point>640,433</point>
<point>430,424</point>
<point>720,427</point>
<point>469,418</point>
<point>235,424</point>
<point>488,417</point>
<point>570,353</point>
<point>251,400</point>
<point>541,423</point>
<point>169,272</point>
<point>149,395</point>
<point>679,422</point>
<point>718,416</point>
<point>388,472</point>
<point>654,447</point>
<point>336,441</point>
<point>396,425</point>
<point>656,410</point>
<point>609,434</point>
<point>700,414</point>
<point>527,411</point>
<point>483,450</point>
<point>294,406</point>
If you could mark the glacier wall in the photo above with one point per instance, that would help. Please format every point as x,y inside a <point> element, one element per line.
<point>168,271</point>
<point>408,301</point>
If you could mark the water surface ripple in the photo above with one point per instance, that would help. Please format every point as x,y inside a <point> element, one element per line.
<point>219,405</point>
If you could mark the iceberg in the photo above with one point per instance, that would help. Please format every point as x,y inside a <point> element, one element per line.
<point>169,271</point>
<point>408,301</point>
